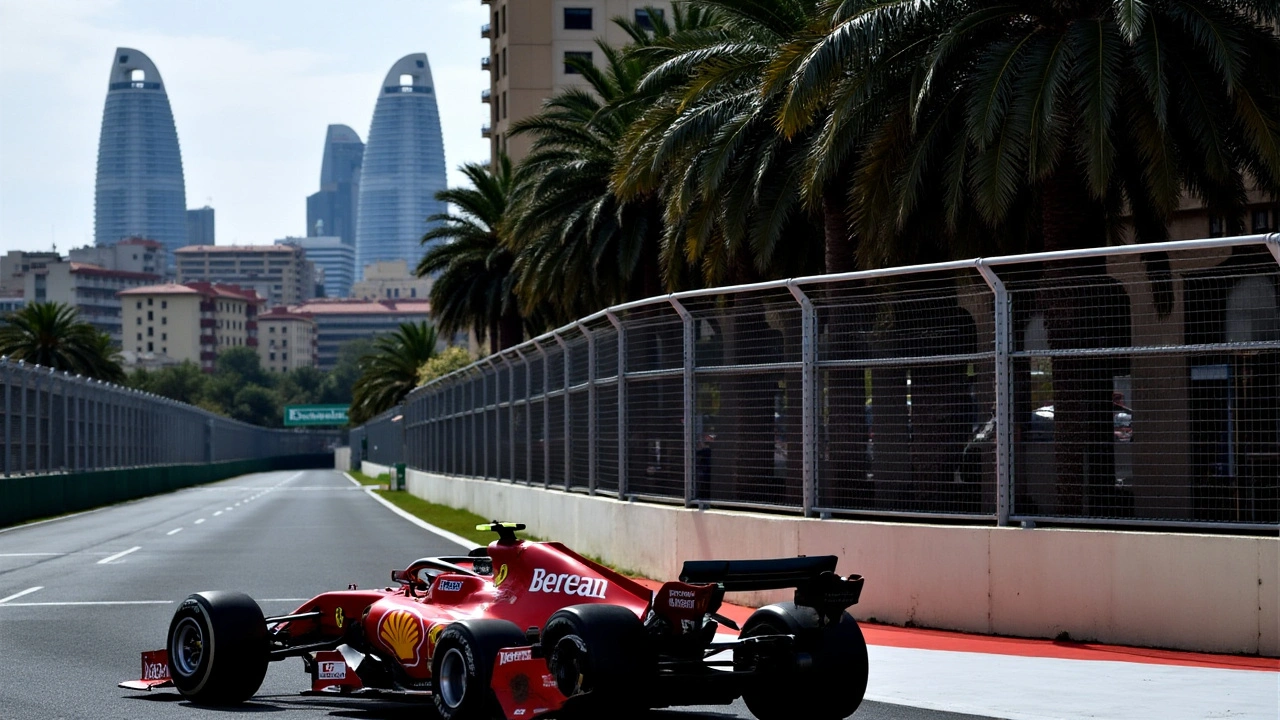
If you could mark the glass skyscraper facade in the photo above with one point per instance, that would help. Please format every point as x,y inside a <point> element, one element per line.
<point>403,167</point>
<point>332,211</point>
<point>140,188</point>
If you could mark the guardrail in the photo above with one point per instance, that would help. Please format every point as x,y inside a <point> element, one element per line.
<point>1141,384</point>
<point>54,422</point>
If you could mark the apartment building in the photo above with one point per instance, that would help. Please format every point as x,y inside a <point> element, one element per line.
<point>193,321</point>
<point>286,340</point>
<point>280,274</point>
<point>341,321</point>
<point>15,264</point>
<point>391,280</point>
<point>91,289</point>
<point>138,255</point>
<point>334,260</point>
<point>529,44</point>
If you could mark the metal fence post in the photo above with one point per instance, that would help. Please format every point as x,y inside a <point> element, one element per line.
<point>8,416</point>
<point>546,415</point>
<point>564,348</point>
<point>808,398</point>
<point>690,398</point>
<point>528,420</point>
<point>23,423</point>
<point>1004,401</point>
<point>622,402</point>
<point>591,408</point>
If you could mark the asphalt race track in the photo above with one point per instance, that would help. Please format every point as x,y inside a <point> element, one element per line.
<point>81,596</point>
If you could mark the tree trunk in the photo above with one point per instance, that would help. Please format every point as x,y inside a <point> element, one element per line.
<point>1083,309</point>
<point>510,329</point>
<point>845,318</point>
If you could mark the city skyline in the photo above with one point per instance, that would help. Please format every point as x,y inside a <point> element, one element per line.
<point>251,101</point>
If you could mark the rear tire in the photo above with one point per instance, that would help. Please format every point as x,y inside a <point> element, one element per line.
<point>218,648</point>
<point>830,687</point>
<point>462,667</point>
<point>599,655</point>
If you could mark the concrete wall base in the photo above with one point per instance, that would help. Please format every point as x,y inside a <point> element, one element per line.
<point>1206,593</point>
<point>342,458</point>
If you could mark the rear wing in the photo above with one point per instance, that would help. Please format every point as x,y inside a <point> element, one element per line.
<point>814,578</point>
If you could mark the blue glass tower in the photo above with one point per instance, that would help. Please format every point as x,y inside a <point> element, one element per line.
<point>403,167</point>
<point>140,189</point>
<point>332,211</point>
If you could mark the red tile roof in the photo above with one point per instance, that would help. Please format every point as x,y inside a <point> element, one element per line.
<point>203,289</point>
<point>80,268</point>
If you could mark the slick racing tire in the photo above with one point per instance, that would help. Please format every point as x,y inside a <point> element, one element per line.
<point>218,648</point>
<point>824,678</point>
<point>462,667</point>
<point>598,654</point>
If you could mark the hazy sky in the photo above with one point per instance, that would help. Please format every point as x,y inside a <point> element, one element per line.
<point>252,83</point>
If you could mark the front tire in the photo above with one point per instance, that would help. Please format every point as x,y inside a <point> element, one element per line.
<point>462,667</point>
<point>831,682</point>
<point>218,648</point>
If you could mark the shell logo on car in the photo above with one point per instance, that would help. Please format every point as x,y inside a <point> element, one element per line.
<point>402,632</point>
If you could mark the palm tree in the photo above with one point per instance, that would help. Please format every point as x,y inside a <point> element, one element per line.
<point>473,288</point>
<point>390,371</point>
<point>52,335</point>
<point>1046,120</point>
<point>707,144</point>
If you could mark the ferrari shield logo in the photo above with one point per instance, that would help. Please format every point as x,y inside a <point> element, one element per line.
<point>500,576</point>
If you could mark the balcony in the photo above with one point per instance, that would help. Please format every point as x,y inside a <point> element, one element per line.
<point>486,31</point>
<point>485,96</point>
<point>485,131</point>
<point>485,63</point>
<point>251,342</point>
<point>206,322</point>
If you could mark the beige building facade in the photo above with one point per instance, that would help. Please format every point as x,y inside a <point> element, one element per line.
<point>286,340</point>
<point>280,274</point>
<point>391,280</point>
<point>137,255</point>
<point>90,289</point>
<point>193,321</point>
<point>529,41</point>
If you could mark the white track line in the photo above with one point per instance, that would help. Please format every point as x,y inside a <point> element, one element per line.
<point>88,602</point>
<point>30,554</point>
<point>457,539</point>
<point>117,556</point>
<point>28,591</point>
<point>216,514</point>
<point>174,531</point>
<point>199,521</point>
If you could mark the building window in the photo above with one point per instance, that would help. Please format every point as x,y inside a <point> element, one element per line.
<point>1215,226</point>
<point>504,62</point>
<point>150,315</point>
<point>164,319</point>
<point>164,336</point>
<point>139,337</point>
<point>151,347</point>
<point>583,55</point>
<point>284,356</point>
<point>413,292</point>
<point>284,343</point>
<point>504,104</point>
<point>1260,221</point>
<point>139,319</point>
<point>504,20</point>
<point>139,304</point>
<point>164,350</point>
<point>139,347</point>
<point>273,356</point>
<point>164,304</point>
<point>149,302</point>
<point>272,330</point>
<point>645,20</point>
<point>577,18</point>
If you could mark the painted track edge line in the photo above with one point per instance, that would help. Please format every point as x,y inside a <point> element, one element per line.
<point>456,539</point>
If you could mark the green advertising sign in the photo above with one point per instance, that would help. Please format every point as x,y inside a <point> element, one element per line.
<point>301,415</point>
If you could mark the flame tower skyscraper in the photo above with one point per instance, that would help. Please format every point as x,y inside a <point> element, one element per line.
<point>140,187</point>
<point>403,167</point>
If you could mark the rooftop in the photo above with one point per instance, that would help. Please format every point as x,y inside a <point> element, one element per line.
<point>99,271</point>
<point>203,289</point>
<point>343,306</point>
<point>195,249</point>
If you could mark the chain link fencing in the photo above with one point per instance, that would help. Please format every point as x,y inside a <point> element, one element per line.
<point>1137,384</point>
<point>54,422</point>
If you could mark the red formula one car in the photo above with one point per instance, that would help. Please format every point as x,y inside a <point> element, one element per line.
<point>528,629</point>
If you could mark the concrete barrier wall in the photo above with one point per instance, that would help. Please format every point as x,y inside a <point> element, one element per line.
<point>1209,593</point>
<point>342,458</point>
